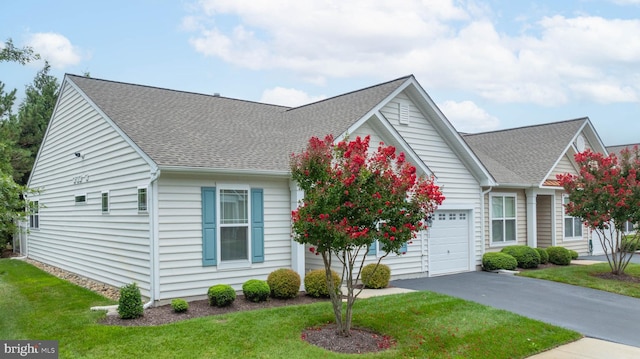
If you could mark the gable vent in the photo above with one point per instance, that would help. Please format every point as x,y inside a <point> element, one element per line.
<point>403,113</point>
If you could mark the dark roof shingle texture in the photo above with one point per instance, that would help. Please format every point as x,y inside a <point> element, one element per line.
<point>523,155</point>
<point>185,129</point>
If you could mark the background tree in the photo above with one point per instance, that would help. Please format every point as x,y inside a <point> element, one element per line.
<point>605,195</point>
<point>12,205</point>
<point>10,53</point>
<point>33,117</point>
<point>353,198</point>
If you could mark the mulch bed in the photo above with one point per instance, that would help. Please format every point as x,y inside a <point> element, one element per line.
<point>327,337</point>
<point>164,314</point>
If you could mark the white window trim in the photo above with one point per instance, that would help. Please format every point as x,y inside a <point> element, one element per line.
<point>75,197</point>
<point>146,210</point>
<point>564,217</point>
<point>35,214</point>
<point>108,202</point>
<point>502,243</point>
<point>234,264</point>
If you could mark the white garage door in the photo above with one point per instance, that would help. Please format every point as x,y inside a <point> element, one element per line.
<point>449,242</point>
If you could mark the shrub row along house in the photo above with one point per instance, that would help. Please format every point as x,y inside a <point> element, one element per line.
<point>179,191</point>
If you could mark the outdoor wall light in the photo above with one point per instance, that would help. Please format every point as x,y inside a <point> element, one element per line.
<point>79,155</point>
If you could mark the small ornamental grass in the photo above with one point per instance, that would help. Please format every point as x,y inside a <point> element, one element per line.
<point>544,256</point>
<point>375,276</point>
<point>315,283</point>
<point>221,295</point>
<point>179,305</point>
<point>559,255</point>
<point>526,257</point>
<point>130,302</point>
<point>284,283</point>
<point>497,260</point>
<point>256,290</point>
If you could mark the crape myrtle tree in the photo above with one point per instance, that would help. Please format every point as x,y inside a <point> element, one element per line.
<point>352,198</point>
<point>605,195</point>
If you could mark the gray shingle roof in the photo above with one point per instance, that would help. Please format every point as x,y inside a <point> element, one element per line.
<point>184,129</point>
<point>618,148</point>
<point>523,155</point>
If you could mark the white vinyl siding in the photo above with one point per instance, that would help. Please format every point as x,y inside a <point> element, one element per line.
<point>180,234</point>
<point>112,249</point>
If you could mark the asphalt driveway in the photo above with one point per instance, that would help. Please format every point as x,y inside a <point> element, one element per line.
<point>594,313</point>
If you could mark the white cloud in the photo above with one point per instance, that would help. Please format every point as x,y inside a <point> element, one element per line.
<point>288,97</point>
<point>466,116</point>
<point>55,48</point>
<point>446,44</point>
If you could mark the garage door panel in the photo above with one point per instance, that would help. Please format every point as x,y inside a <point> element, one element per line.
<point>449,242</point>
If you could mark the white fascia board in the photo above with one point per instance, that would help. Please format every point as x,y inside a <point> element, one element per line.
<point>224,171</point>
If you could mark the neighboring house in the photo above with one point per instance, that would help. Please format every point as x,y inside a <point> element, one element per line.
<point>178,191</point>
<point>527,206</point>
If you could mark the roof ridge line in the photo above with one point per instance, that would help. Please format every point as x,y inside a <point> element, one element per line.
<point>174,90</point>
<point>351,92</point>
<point>524,127</point>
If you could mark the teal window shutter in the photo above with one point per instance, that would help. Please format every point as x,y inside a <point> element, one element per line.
<point>373,248</point>
<point>257,225</point>
<point>209,231</point>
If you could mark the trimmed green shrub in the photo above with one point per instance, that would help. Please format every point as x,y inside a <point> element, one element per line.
<point>221,295</point>
<point>256,290</point>
<point>526,257</point>
<point>574,254</point>
<point>179,305</point>
<point>559,255</point>
<point>284,283</point>
<point>375,278</point>
<point>630,244</point>
<point>130,302</point>
<point>498,260</point>
<point>315,283</point>
<point>544,256</point>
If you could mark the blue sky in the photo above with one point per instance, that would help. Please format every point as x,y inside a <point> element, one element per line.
<point>488,64</point>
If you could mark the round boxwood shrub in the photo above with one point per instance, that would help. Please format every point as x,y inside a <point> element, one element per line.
<point>526,257</point>
<point>284,283</point>
<point>130,302</point>
<point>315,283</point>
<point>221,295</point>
<point>256,290</point>
<point>375,277</point>
<point>574,254</point>
<point>179,305</point>
<point>559,255</point>
<point>498,260</point>
<point>544,256</point>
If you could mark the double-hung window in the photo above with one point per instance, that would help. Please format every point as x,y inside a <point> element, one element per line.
<point>232,226</point>
<point>503,218</point>
<point>572,225</point>
<point>34,215</point>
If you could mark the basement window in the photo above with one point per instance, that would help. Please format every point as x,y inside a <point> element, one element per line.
<point>80,198</point>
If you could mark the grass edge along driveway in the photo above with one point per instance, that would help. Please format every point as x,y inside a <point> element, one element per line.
<point>38,306</point>
<point>585,276</point>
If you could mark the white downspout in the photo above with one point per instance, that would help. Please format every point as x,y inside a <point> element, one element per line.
<point>154,279</point>
<point>482,219</point>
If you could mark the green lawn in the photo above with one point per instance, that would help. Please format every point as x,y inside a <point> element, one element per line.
<point>582,275</point>
<point>35,305</point>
